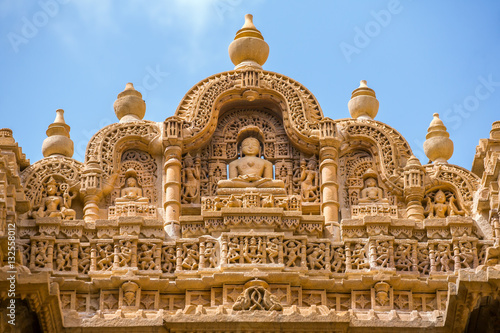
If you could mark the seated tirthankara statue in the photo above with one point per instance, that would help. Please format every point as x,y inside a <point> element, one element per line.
<point>131,202</point>
<point>250,171</point>
<point>131,191</point>
<point>371,199</point>
<point>371,193</point>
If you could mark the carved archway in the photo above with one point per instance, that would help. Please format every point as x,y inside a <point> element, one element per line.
<point>107,145</point>
<point>200,107</point>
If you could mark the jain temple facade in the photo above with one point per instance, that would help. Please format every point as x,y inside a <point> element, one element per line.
<point>247,210</point>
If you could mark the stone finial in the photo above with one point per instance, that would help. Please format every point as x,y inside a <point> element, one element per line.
<point>495,130</point>
<point>58,141</point>
<point>248,47</point>
<point>363,103</point>
<point>129,105</point>
<point>438,146</point>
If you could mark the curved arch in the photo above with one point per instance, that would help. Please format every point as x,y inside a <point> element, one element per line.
<point>392,149</point>
<point>33,177</point>
<point>462,180</point>
<point>201,105</point>
<point>106,144</point>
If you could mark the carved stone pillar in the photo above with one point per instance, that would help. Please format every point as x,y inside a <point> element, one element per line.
<point>172,178</point>
<point>328,155</point>
<point>414,189</point>
<point>91,189</point>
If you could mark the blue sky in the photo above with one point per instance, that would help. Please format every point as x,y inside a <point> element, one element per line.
<point>420,57</point>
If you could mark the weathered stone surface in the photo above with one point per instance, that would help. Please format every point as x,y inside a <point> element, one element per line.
<point>247,211</point>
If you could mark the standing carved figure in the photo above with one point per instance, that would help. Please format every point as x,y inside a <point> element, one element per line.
<point>309,180</point>
<point>443,257</point>
<point>293,249</point>
<point>168,259</point>
<point>209,255</point>
<point>125,253</point>
<point>146,256</point>
<point>252,251</point>
<point>338,260</point>
<point>272,248</point>
<point>233,253</point>
<point>40,250</point>
<point>191,179</point>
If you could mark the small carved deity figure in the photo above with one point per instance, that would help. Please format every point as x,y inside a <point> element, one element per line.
<point>190,179</point>
<point>125,253</point>
<point>191,258</point>
<point>316,256</point>
<point>233,253</point>
<point>424,263</point>
<point>106,257</point>
<point>403,257</point>
<point>40,257</point>
<point>293,249</point>
<point>382,250</point>
<point>252,251</point>
<point>272,248</point>
<point>55,205</point>
<point>131,191</point>
<point>358,258</point>
<point>440,208</point>
<point>84,259</point>
<point>466,255</point>
<point>146,256</point>
<point>309,181</point>
<point>251,170</point>
<point>338,259</point>
<point>371,193</point>
<point>168,259</point>
<point>63,257</point>
<point>209,255</point>
<point>443,256</point>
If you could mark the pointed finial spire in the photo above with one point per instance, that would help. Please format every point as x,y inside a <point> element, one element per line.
<point>58,141</point>
<point>413,161</point>
<point>248,47</point>
<point>129,105</point>
<point>363,103</point>
<point>438,146</point>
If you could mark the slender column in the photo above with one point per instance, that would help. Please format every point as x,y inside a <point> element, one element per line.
<point>91,189</point>
<point>414,189</point>
<point>328,155</point>
<point>172,180</point>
